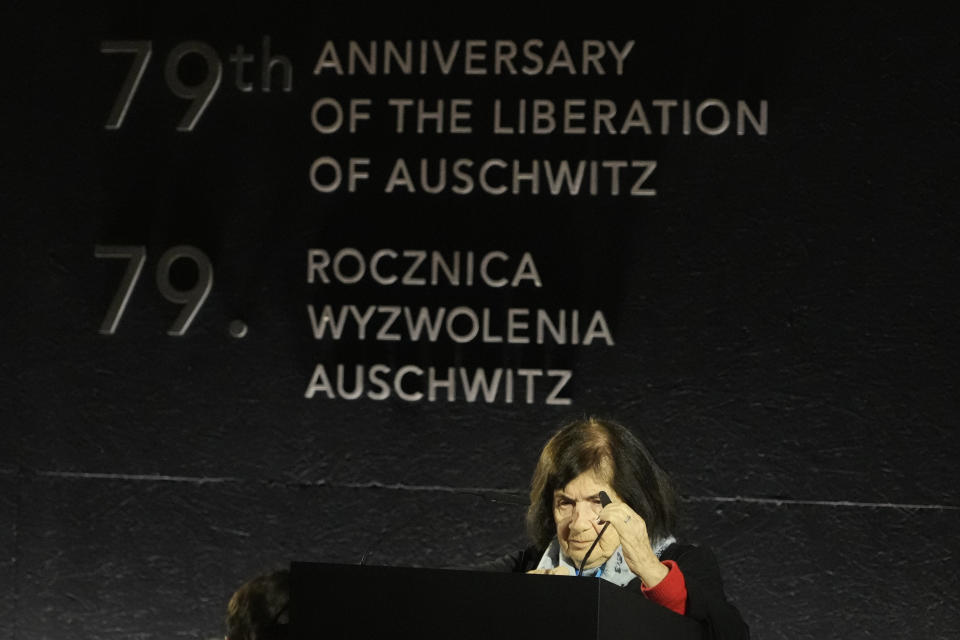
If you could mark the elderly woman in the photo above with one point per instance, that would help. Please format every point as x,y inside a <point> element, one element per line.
<point>595,477</point>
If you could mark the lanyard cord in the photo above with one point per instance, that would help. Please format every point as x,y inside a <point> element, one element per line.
<point>590,550</point>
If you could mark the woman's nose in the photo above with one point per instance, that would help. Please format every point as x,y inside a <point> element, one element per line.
<point>583,516</point>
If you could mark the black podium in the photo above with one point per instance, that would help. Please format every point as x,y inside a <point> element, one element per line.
<point>350,601</point>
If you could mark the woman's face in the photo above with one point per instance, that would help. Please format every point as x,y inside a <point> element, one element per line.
<point>575,509</point>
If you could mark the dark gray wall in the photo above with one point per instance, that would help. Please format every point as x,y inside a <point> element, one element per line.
<point>784,312</point>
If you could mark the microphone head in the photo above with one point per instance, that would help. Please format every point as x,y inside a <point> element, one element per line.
<point>604,498</point>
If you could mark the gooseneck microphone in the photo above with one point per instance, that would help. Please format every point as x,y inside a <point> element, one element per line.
<point>604,500</point>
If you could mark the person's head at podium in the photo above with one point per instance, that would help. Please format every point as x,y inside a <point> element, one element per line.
<point>259,609</point>
<point>582,465</point>
<point>600,506</point>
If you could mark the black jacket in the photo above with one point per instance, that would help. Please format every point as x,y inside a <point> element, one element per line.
<point>706,601</point>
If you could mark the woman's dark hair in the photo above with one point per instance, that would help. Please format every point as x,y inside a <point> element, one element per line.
<point>259,609</point>
<point>614,454</point>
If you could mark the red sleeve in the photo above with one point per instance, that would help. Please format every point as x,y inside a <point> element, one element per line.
<point>671,592</point>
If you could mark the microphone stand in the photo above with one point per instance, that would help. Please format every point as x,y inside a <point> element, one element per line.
<point>604,500</point>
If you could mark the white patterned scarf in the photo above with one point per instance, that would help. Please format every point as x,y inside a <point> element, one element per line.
<point>614,570</point>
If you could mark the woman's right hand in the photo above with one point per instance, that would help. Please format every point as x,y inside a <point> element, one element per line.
<point>556,571</point>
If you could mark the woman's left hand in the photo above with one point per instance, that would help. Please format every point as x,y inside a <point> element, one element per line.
<point>635,541</point>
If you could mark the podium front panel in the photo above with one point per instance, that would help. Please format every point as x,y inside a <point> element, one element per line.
<point>350,601</point>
